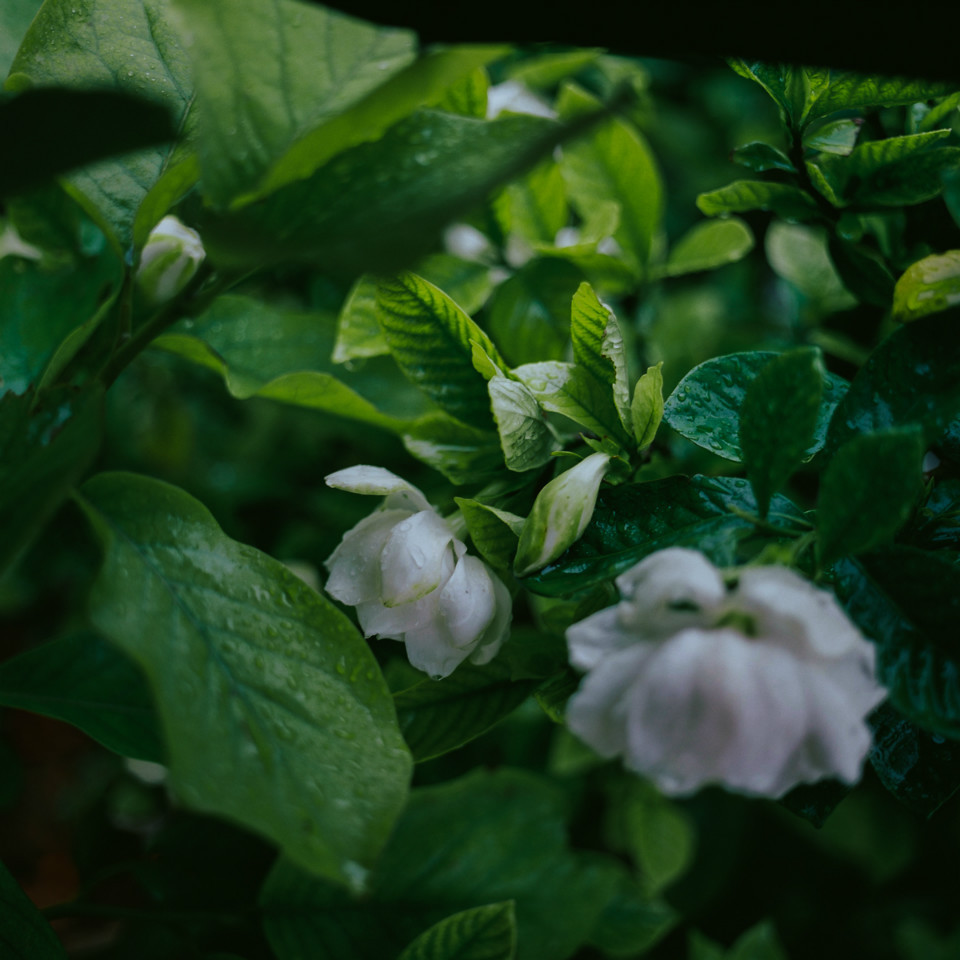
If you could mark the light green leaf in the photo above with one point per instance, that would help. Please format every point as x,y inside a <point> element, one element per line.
<point>545,70</point>
<point>15,17</point>
<point>646,410</point>
<point>613,164</point>
<point>86,682</point>
<point>494,532</point>
<point>482,933</point>
<point>535,206</point>
<point>467,96</point>
<point>928,286</point>
<point>835,137</point>
<point>125,45</point>
<point>854,516</point>
<point>269,71</point>
<point>525,437</point>
<point>707,246</point>
<point>24,933</point>
<point>468,283</point>
<point>358,330</point>
<point>778,418</point>
<point>798,253</point>
<point>785,200</point>
<point>274,710</point>
<point>430,338</point>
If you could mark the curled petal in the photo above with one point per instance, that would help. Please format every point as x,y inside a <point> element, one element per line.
<point>467,602</point>
<point>429,649</point>
<point>498,629</point>
<point>376,481</point>
<point>414,558</point>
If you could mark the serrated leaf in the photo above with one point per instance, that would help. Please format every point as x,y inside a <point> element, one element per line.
<point>760,157</point>
<point>525,437</point>
<point>928,286</point>
<point>24,932</point>
<point>785,200</point>
<point>494,532</point>
<point>437,716</point>
<point>86,682</point>
<point>854,516</point>
<point>77,44</point>
<point>274,711</point>
<point>646,409</point>
<point>358,330</point>
<point>482,933</point>
<point>705,406</point>
<point>778,417</point>
<point>633,520</point>
<point>535,206</point>
<point>707,246</point>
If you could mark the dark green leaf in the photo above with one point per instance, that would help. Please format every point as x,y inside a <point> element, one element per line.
<point>707,246</point>
<point>758,943</point>
<point>482,933</point>
<point>793,89</point>
<point>912,377</point>
<point>24,933</point>
<point>633,520</point>
<point>467,282</point>
<point>705,406</point>
<point>854,513</point>
<point>863,272</point>
<point>815,801</point>
<point>274,711</point>
<point>778,418</point>
<point>87,682</point>
<point>743,195</point>
<point>836,137</point>
<point>631,923</point>
<point>461,453</point>
<point>760,157</point>
<point>437,716</point>
<point>848,91</point>
<point>43,452</point>
<point>494,532</point>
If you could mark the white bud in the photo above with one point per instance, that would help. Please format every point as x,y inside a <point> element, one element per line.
<point>169,260</point>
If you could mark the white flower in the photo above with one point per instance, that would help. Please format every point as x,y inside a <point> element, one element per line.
<point>759,688</point>
<point>171,256</point>
<point>411,579</point>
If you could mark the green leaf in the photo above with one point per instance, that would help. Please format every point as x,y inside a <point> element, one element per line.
<point>262,86</point>
<point>467,282</point>
<point>854,515</point>
<point>760,157</point>
<point>86,682</point>
<point>613,164</point>
<point>836,137</point>
<point>778,418</point>
<point>529,314</point>
<point>848,91</point>
<point>912,377</point>
<point>468,96</point>
<point>439,860</point>
<point>380,206</point>
<point>430,338</point>
<point>633,520</point>
<point>437,716</point>
<point>15,17</point>
<point>482,933</point>
<point>358,330</point>
<point>535,206</point>
<point>631,922</point>
<point>646,410</point>
<point>741,196</point>
<point>798,253</point>
<point>758,943</point>
<point>793,89</point>
<point>928,286</point>
<point>864,272</point>
<point>494,532</point>
<point>78,44</point>
<point>707,246</point>
<point>274,711</point>
<point>44,450</point>
<point>705,406</point>
<point>461,453</point>
<point>525,438</point>
<point>885,594</point>
<point>24,932</point>
<point>60,130</point>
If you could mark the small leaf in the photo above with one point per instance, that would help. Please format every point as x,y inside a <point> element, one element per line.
<point>778,418</point>
<point>467,96</point>
<point>535,206</point>
<point>707,246</point>
<point>758,943</point>
<point>632,922</point>
<point>482,933</point>
<point>760,157</point>
<point>837,137</point>
<point>494,532</point>
<point>744,195</point>
<point>854,516</point>
<point>358,330</point>
<point>24,932</point>
<point>928,286</point>
<point>646,410</point>
<point>525,438</point>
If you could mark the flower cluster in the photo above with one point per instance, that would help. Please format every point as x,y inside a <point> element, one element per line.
<point>758,687</point>
<point>411,579</point>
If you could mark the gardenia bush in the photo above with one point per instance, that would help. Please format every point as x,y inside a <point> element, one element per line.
<point>472,500</point>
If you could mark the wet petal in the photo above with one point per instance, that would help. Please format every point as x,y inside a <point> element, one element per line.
<point>499,628</point>
<point>376,481</point>
<point>467,602</point>
<point>414,559</point>
<point>355,565</point>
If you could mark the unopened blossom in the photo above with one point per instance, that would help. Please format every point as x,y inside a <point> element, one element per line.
<point>757,687</point>
<point>411,579</point>
<point>170,258</point>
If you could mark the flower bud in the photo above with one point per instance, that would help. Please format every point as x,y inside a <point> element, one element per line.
<point>560,514</point>
<point>169,260</point>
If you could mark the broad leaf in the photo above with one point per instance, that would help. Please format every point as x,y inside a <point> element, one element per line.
<point>15,17</point>
<point>468,283</point>
<point>741,196</point>
<point>463,454</point>
<point>847,91</point>
<point>928,286</point>
<point>633,520</point>
<point>437,716</point>
<point>837,137</point>
<point>481,933</point>
<point>86,682</point>
<point>535,206</point>
<point>24,933</point>
<point>274,711</point>
<point>705,406</point>
<point>707,246</point>
<point>494,532</point>
<point>632,923</point>
<point>358,330</point>
<point>468,95</point>
<point>778,418</point>
<point>525,438</point>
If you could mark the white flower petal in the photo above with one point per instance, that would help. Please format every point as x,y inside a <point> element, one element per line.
<point>355,565</point>
<point>376,481</point>
<point>429,649</point>
<point>499,628</point>
<point>467,602</point>
<point>414,559</point>
<point>597,636</point>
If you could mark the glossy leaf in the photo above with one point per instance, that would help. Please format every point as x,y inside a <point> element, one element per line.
<point>525,438</point>
<point>847,91</point>
<point>913,377</point>
<point>468,283</point>
<point>274,711</point>
<point>631,521</point>
<point>24,933</point>
<point>86,682</point>
<point>707,246</point>
<point>358,330</point>
<point>854,516</point>
<point>760,157</point>
<point>743,195</point>
<point>482,933</point>
<point>778,418</point>
<point>437,716</point>
<point>646,408</point>
<point>77,44</point>
<point>494,532</point>
<point>928,286</point>
<point>705,406</point>
<point>836,137</point>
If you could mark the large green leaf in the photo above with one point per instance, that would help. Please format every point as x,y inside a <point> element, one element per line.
<point>785,200</point>
<point>437,716</point>
<point>847,91</point>
<point>912,377</point>
<point>24,933</point>
<point>123,45</point>
<point>274,711</point>
<point>481,933</point>
<point>705,406</point>
<point>44,450</point>
<point>87,682</point>
<point>269,71</point>
<point>633,520</point>
<point>442,858</point>
<point>15,17</point>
